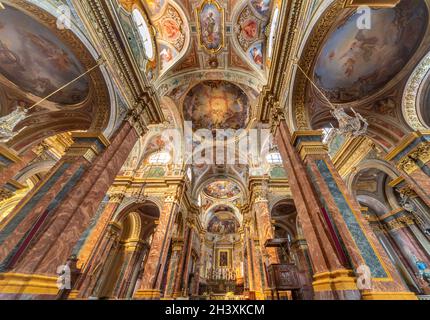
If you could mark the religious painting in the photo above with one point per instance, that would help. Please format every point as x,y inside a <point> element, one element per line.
<point>167,56</point>
<point>155,6</point>
<point>222,189</point>
<point>249,29</point>
<point>210,20</point>
<point>155,144</point>
<point>223,259</point>
<point>33,58</point>
<point>256,55</point>
<point>216,105</point>
<point>356,62</point>
<point>223,225</point>
<point>261,6</point>
<point>171,29</point>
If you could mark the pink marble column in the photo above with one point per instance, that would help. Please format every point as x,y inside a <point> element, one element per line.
<point>324,254</point>
<point>353,240</point>
<point>150,287</point>
<point>174,266</point>
<point>177,287</point>
<point>91,277</point>
<point>63,204</point>
<point>265,228</point>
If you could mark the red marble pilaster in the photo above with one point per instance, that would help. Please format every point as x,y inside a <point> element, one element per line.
<point>152,277</point>
<point>265,228</point>
<point>178,282</point>
<point>351,235</point>
<point>63,204</point>
<point>96,264</point>
<point>324,254</point>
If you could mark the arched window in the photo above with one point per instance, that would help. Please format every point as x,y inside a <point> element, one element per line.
<point>144,32</point>
<point>274,158</point>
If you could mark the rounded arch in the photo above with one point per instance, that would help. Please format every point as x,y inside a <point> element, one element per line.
<point>97,112</point>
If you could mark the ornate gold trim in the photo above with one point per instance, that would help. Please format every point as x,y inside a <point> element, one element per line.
<point>198,11</point>
<point>15,283</point>
<point>339,280</point>
<point>389,296</point>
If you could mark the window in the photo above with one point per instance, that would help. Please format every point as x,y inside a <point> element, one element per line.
<point>326,133</point>
<point>142,26</point>
<point>272,35</point>
<point>274,158</point>
<point>159,158</point>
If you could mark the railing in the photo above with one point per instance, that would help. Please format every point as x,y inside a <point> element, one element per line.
<point>221,274</point>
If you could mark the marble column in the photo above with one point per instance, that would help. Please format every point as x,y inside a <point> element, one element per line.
<point>412,158</point>
<point>339,238</point>
<point>185,273</point>
<point>178,281</point>
<point>150,287</point>
<point>90,242</point>
<point>265,228</point>
<point>174,267</point>
<point>250,278</point>
<point>134,250</point>
<point>49,221</point>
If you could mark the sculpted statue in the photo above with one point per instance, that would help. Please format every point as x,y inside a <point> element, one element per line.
<point>9,122</point>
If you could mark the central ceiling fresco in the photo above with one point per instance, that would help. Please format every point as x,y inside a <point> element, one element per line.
<point>222,189</point>
<point>216,105</point>
<point>356,62</point>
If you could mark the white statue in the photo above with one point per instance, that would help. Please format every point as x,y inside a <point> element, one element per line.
<point>9,122</point>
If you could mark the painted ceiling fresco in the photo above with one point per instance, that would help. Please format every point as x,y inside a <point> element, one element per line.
<point>216,105</point>
<point>34,59</point>
<point>210,18</point>
<point>222,189</point>
<point>227,41</point>
<point>223,226</point>
<point>355,63</point>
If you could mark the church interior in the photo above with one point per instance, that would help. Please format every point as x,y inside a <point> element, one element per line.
<point>214,150</point>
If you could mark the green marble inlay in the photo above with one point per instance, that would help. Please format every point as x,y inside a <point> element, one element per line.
<point>363,244</point>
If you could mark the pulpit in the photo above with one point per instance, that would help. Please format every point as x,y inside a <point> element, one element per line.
<point>283,278</point>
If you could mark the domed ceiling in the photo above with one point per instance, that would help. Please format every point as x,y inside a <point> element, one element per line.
<point>216,105</point>
<point>222,220</point>
<point>355,62</point>
<point>34,59</point>
<point>222,189</point>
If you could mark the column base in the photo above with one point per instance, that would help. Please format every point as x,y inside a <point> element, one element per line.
<point>339,284</point>
<point>260,295</point>
<point>74,294</point>
<point>268,295</point>
<point>150,294</point>
<point>284,295</point>
<point>24,284</point>
<point>389,296</point>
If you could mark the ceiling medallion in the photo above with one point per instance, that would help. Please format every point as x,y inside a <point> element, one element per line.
<point>210,26</point>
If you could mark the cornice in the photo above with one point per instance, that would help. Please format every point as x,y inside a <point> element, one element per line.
<point>291,12</point>
<point>99,18</point>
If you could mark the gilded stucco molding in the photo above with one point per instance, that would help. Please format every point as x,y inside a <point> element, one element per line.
<point>100,20</point>
<point>307,60</point>
<point>412,94</point>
